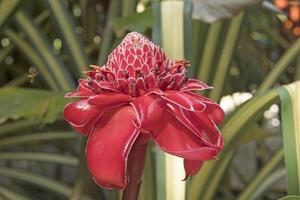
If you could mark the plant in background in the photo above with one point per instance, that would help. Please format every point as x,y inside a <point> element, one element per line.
<point>137,96</point>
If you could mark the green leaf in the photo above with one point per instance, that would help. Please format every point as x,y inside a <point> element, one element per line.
<point>268,183</point>
<point>11,195</point>
<point>199,35</point>
<point>139,22</point>
<point>39,156</point>
<point>205,184</point>
<point>291,197</point>
<point>255,134</point>
<point>148,183</point>
<point>7,9</point>
<point>11,127</point>
<point>128,7</point>
<point>114,11</point>
<point>226,57</point>
<point>18,103</point>
<point>280,66</point>
<point>29,138</point>
<point>249,190</point>
<point>66,26</point>
<point>210,48</point>
<point>290,116</point>
<point>30,53</point>
<point>39,41</point>
<point>173,34</point>
<point>38,180</point>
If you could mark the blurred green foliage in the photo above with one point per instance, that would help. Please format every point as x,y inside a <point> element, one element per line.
<point>47,44</point>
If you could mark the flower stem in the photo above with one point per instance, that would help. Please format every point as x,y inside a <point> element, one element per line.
<point>136,164</point>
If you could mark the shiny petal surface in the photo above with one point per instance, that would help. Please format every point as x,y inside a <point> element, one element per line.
<point>80,114</point>
<point>215,112</point>
<point>200,124</point>
<point>174,138</point>
<point>191,167</point>
<point>184,100</point>
<point>108,99</point>
<point>149,110</point>
<point>109,145</point>
<point>194,84</point>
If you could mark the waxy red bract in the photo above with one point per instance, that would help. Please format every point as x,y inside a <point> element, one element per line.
<point>137,96</point>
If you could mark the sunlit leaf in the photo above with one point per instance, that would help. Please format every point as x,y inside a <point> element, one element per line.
<point>290,115</point>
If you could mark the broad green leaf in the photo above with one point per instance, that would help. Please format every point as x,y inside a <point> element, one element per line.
<point>39,156</point>
<point>249,190</point>
<point>66,26</point>
<point>11,195</point>
<point>290,116</point>
<point>18,103</point>
<point>39,41</point>
<point>7,9</point>
<point>37,137</point>
<point>205,184</point>
<point>139,22</point>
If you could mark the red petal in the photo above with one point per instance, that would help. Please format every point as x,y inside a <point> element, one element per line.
<point>176,139</point>
<point>194,84</point>
<point>191,167</point>
<point>149,110</point>
<point>200,124</point>
<point>109,145</point>
<point>215,112</point>
<point>183,100</point>
<point>108,86</point>
<point>150,80</point>
<point>108,100</point>
<point>82,90</point>
<point>79,114</point>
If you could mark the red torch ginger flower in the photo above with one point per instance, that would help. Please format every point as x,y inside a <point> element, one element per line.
<point>137,96</point>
